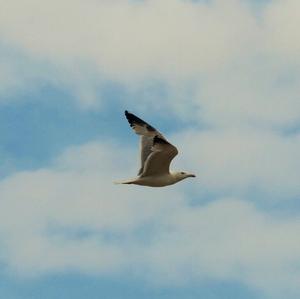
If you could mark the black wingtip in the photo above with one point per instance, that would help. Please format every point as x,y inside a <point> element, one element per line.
<point>130,117</point>
<point>133,119</point>
<point>127,114</point>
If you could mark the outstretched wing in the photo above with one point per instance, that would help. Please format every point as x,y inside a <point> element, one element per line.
<point>147,133</point>
<point>158,162</point>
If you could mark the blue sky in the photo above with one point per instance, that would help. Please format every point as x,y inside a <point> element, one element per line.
<point>220,79</point>
<point>78,286</point>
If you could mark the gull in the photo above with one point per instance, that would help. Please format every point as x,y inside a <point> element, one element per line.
<point>156,156</point>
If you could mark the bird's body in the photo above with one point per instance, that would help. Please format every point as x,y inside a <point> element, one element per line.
<point>156,156</point>
<point>156,180</point>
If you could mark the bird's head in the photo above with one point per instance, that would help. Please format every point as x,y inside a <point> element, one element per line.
<point>181,175</point>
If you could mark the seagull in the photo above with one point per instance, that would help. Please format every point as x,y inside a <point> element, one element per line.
<point>156,156</point>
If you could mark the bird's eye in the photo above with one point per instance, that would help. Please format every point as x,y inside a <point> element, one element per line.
<point>182,172</point>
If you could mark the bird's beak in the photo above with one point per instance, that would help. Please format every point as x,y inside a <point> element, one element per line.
<point>191,176</point>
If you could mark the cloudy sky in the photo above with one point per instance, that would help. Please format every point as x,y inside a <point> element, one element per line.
<point>220,78</point>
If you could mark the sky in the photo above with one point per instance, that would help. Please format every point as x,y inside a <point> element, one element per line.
<point>221,80</point>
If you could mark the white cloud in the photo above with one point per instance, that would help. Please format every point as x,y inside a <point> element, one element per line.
<point>71,216</point>
<point>231,67</point>
<point>229,239</point>
<point>250,93</point>
<point>220,64</point>
<point>244,161</point>
<point>17,73</point>
<point>124,38</point>
<point>282,19</point>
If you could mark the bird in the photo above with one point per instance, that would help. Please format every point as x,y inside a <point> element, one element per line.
<point>156,155</point>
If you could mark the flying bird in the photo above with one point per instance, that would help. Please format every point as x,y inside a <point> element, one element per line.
<point>156,156</point>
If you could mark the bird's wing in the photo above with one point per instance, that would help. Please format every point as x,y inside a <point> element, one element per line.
<point>158,162</point>
<point>147,133</point>
<point>145,149</point>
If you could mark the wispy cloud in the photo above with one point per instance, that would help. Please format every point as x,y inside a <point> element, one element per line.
<point>173,41</point>
<point>232,75</point>
<point>244,162</point>
<point>70,216</point>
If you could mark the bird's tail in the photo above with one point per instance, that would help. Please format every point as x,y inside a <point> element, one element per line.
<point>123,182</point>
